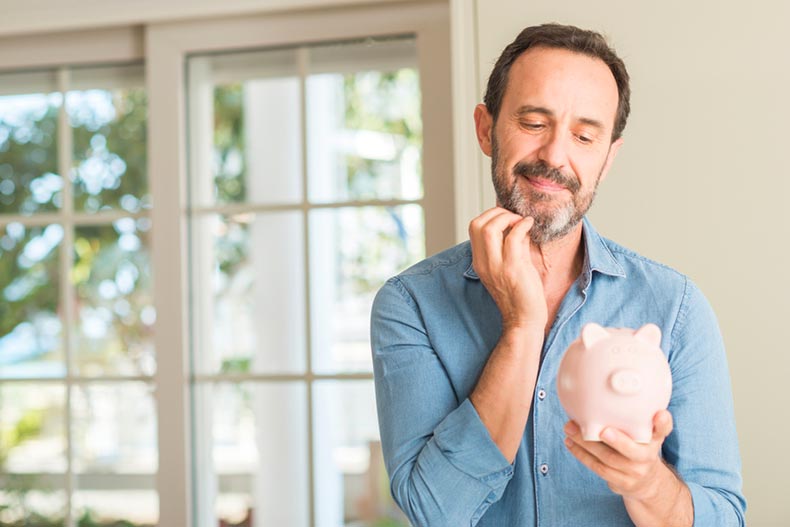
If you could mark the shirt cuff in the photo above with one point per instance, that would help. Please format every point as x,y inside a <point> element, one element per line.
<point>465,442</point>
<point>712,509</point>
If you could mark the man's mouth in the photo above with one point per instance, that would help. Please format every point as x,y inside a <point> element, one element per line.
<point>544,185</point>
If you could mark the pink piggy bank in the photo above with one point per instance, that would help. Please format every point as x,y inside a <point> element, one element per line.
<point>615,377</point>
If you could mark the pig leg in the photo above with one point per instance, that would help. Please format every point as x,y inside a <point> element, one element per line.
<point>592,431</point>
<point>643,435</point>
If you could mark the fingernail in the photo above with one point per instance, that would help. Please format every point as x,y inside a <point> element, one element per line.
<point>608,435</point>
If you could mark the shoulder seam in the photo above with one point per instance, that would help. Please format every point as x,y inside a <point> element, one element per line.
<point>628,253</point>
<point>403,290</point>
<point>409,297</point>
<point>434,264</point>
<point>680,318</point>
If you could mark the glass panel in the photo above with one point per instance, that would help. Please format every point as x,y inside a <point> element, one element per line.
<point>252,318</point>
<point>364,130</point>
<point>109,134</point>
<point>251,454</point>
<point>115,313</point>
<point>351,482</point>
<point>29,178</point>
<point>353,252</point>
<point>32,454</point>
<point>30,328</point>
<point>115,453</point>
<point>32,500</point>
<point>32,430</point>
<point>245,117</point>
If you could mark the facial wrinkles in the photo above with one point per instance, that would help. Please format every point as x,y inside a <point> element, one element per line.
<point>550,223</point>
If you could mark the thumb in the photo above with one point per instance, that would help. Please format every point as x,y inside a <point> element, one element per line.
<point>662,425</point>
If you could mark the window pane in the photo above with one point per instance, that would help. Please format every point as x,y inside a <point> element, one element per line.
<point>32,428</point>
<point>115,452</point>
<point>30,328</point>
<point>32,500</point>
<point>353,252</point>
<point>255,463</point>
<point>115,313</point>
<point>29,178</point>
<point>245,126</point>
<point>251,318</point>
<point>351,482</point>
<point>32,454</point>
<point>364,129</point>
<point>109,134</point>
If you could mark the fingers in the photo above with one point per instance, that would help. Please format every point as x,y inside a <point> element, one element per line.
<point>591,460</point>
<point>602,451</point>
<point>616,448</point>
<point>487,233</point>
<point>626,447</point>
<point>483,218</point>
<point>501,258</point>
<point>662,425</point>
<point>478,224</point>
<point>517,240</point>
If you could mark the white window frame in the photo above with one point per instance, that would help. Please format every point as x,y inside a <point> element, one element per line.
<point>168,46</point>
<point>165,48</point>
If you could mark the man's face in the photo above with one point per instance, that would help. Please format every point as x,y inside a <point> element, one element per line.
<point>551,144</point>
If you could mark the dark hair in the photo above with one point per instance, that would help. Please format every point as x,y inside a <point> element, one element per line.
<point>570,38</point>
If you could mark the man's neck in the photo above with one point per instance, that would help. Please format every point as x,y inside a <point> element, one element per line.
<point>560,260</point>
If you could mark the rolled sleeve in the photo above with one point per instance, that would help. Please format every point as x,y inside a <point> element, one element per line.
<point>703,446</point>
<point>714,508</point>
<point>443,466</point>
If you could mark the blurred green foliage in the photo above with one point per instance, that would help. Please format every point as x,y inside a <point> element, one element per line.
<point>28,285</point>
<point>229,143</point>
<point>111,269</point>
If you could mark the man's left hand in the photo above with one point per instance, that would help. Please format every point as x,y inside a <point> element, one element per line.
<point>631,469</point>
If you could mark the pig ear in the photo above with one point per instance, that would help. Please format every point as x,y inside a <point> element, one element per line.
<point>650,333</point>
<point>592,333</point>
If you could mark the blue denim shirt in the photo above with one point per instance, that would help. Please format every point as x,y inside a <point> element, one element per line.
<point>433,328</point>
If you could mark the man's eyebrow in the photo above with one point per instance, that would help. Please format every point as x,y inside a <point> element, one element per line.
<point>595,123</point>
<point>523,110</point>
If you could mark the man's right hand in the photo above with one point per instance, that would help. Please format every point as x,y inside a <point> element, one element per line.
<point>501,258</point>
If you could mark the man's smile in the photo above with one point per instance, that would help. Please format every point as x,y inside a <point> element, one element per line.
<point>544,185</point>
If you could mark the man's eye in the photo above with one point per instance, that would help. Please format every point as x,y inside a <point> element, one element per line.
<point>585,139</point>
<point>533,126</point>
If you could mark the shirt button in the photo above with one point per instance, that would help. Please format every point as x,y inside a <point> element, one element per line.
<point>544,469</point>
<point>541,394</point>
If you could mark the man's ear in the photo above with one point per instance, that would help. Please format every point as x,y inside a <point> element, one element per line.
<point>613,148</point>
<point>484,127</point>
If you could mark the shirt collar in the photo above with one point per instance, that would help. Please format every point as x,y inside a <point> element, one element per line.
<point>597,257</point>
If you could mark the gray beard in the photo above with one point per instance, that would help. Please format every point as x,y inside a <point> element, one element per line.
<point>551,223</point>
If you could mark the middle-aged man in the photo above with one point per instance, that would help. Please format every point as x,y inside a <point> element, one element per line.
<point>466,344</point>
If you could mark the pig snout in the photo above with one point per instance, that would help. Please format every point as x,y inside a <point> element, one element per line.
<point>625,382</point>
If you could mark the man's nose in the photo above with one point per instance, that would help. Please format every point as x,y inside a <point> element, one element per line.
<point>553,151</point>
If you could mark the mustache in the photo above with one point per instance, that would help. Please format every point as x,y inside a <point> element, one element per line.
<point>554,175</point>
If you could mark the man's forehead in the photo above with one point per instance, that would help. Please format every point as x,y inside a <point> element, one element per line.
<point>551,77</point>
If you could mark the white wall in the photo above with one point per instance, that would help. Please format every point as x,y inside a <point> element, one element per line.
<point>702,182</point>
